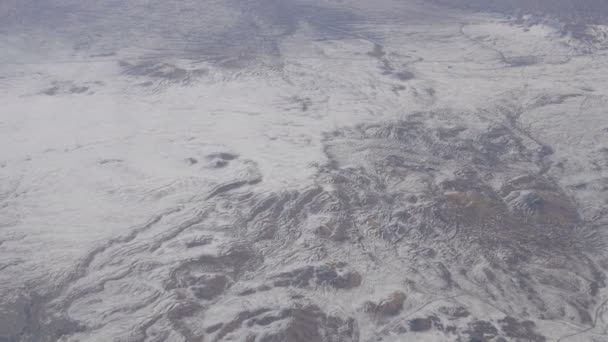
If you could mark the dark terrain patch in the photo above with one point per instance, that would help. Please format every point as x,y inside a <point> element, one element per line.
<point>338,275</point>
<point>202,241</point>
<point>69,88</point>
<point>304,103</point>
<point>524,330</point>
<point>404,75</point>
<point>391,306</point>
<point>398,88</point>
<point>222,155</point>
<point>110,161</point>
<point>377,52</point>
<point>78,89</point>
<point>26,320</point>
<point>481,331</point>
<point>191,161</point>
<point>104,54</point>
<point>521,61</point>
<point>51,91</point>
<point>162,71</point>
<point>220,160</point>
<point>210,286</point>
<point>422,324</point>
<point>210,275</point>
<point>456,312</point>
<point>298,322</point>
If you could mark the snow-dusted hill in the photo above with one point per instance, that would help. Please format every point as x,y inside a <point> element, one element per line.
<point>300,171</point>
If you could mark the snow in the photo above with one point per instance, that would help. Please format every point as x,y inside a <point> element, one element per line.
<point>92,150</point>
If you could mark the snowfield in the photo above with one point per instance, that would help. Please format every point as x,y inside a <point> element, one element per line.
<point>301,171</point>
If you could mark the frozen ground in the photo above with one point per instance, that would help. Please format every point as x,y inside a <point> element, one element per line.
<point>301,171</point>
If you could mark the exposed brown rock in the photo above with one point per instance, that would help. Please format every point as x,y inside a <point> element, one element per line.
<point>392,305</point>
